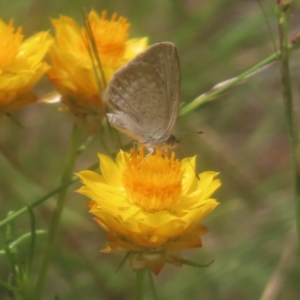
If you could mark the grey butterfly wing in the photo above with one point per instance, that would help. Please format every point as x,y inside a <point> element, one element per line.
<point>164,58</point>
<point>136,93</point>
<point>120,121</point>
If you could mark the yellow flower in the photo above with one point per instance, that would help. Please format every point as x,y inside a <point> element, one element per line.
<point>21,65</point>
<point>150,207</point>
<point>73,69</point>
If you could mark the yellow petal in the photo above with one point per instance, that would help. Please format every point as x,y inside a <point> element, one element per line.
<point>189,179</point>
<point>208,183</point>
<point>191,240</point>
<point>188,202</point>
<point>10,101</point>
<point>195,216</point>
<point>121,161</point>
<point>89,177</point>
<point>110,171</point>
<point>134,47</point>
<point>32,51</point>
<point>109,197</point>
<point>113,223</point>
<point>68,36</point>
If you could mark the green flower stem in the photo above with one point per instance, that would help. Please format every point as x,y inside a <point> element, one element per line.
<point>23,210</point>
<point>152,286</point>
<point>25,237</point>
<point>284,266</point>
<point>140,283</point>
<point>54,224</point>
<point>224,86</point>
<point>283,25</point>
<point>9,286</point>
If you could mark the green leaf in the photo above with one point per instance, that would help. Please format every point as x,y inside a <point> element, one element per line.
<point>25,237</point>
<point>196,265</point>
<point>152,286</point>
<point>122,262</point>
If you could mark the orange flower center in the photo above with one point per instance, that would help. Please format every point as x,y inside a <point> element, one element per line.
<point>153,182</point>
<point>9,44</point>
<point>110,38</point>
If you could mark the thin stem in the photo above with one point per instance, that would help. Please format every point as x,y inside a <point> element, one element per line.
<point>283,25</point>
<point>23,210</point>
<point>54,225</point>
<point>152,286</point>
<point>227,84</point>
<point>276,281</point>
<point>25,237</point>
<point>140,284</point>
<point>9,287</point>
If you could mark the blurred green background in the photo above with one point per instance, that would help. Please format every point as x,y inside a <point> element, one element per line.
<point>245,139</point>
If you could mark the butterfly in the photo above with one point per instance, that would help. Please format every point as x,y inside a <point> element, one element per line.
<point>144,95</point>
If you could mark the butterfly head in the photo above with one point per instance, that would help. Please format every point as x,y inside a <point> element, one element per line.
<point>170,143</point>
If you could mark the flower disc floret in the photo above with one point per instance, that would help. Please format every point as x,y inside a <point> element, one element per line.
<point>110,38</point>
<point>154,182</point>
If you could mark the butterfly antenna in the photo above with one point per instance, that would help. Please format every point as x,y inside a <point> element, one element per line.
<point>182,151</point>
<point>188,132</point>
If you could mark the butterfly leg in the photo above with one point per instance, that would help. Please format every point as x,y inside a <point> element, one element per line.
<point>151,151</point>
